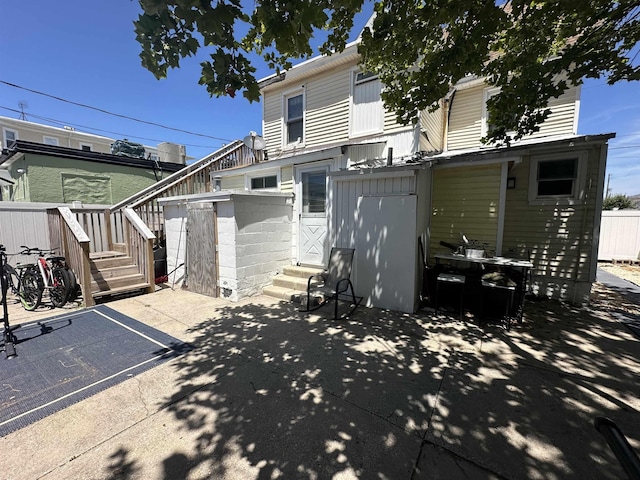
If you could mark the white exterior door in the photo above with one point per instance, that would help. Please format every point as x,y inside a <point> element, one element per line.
<point>312,214</point>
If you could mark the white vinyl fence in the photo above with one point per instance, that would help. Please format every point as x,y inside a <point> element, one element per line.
<point>619,235</point>
<point>25,223</point>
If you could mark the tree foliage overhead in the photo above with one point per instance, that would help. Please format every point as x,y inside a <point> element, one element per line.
<point>534,50</point>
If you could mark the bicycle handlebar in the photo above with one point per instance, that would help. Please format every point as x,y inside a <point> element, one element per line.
<point>33,250</point>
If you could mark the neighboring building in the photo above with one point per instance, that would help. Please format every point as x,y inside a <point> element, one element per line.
<point>362,180</point>
<point>13,129</point>
<point>54,174</point>
<point>33,155</point>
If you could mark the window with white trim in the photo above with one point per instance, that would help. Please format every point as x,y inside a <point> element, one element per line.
<point>10,136</point>
<point>294,119</point>
<point>263,181</point>
<point>487,127</point>
<point>50,140</point>
<point>557,177</point>
<point>86,147</point>
<point>367,109</point>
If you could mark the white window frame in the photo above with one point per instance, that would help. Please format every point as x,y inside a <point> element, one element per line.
<point>579,182</point>
<point>487,93</point>
<point>262,174</point>
<point>354,81</point>
<point>4,136</point>
<point>285,133</point>
<point>83,144</point>
<point>53,141</point>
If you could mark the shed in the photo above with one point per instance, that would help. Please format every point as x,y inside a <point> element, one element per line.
<point>227,243</point>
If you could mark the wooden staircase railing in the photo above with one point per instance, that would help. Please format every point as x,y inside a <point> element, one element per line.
<point>105,230</point>
<point>194,178</point>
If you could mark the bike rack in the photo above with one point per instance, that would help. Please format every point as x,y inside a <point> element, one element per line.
<point>9,339</point>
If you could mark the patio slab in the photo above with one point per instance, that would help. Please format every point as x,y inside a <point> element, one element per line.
<point>269,392</point>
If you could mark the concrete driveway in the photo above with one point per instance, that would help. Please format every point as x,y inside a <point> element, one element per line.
<point>268,392</point>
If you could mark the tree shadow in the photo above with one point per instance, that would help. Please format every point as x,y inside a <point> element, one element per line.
<point>270,392</point>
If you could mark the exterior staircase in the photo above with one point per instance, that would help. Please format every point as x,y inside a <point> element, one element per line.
<point>291,284</point>
<point>114,272</point>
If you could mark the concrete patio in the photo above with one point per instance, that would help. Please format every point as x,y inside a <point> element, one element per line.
<point>269,392</point>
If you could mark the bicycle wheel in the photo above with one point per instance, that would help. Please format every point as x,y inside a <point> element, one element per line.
<point>31,288</point>
<point>73,284</point>
<point>59,291</point>
<point>13,280</point>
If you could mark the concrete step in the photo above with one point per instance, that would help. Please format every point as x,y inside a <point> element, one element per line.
<point>290,282</point>
<point>301,272</point>
<point>289,295</point>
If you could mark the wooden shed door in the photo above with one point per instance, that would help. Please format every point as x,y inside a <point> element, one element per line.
<point>201,249</point>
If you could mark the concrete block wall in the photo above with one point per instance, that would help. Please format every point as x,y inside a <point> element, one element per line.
<point>263,241</point>
<point>227,277</point>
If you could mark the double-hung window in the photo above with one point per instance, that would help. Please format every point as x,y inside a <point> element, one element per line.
<point>556,177</point>
<point>294,119</point>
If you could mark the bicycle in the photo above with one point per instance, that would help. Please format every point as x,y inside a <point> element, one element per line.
<point>27,290</point>
<point>50,274</point>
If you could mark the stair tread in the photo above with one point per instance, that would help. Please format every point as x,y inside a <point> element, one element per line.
<point>301,272</point>
<point>105,254</point>
<point>126,288</point>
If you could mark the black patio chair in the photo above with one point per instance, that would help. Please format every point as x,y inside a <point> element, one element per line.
<point>334,283</point>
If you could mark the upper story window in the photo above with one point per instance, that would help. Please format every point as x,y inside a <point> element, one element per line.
<point>86,147</point>
<point>294,118</point>
<point>487,126</point>
<point>10,136</point>
<point>50,140</point>
<point>367,110</point>
<point>556,177</point>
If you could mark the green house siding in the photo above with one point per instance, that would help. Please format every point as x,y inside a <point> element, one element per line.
<point>557,238</point>
<point>465,200</point>
<point>65,180</point>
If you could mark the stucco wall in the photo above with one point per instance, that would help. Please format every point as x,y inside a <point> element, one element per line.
<point>45,177</point>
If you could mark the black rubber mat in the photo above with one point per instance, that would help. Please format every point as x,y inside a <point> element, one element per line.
<point>64,359</point>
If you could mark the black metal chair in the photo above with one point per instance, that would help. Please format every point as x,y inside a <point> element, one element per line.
<point>334,283</point>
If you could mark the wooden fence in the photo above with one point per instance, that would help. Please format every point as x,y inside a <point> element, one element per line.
<point>619,235</point>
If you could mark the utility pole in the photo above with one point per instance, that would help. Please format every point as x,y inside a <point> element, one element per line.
<point>608,191</point>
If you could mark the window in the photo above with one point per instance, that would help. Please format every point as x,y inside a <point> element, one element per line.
<point>556,177</point>
<point>50,140</point>
<point>367,110</point>
<point>314,192</point>
<point>86,147</point>
<point>260,183</point>
<point>263,181</point>
<point>10,136</point>
<point>487,127</point>
<point>294,119</point>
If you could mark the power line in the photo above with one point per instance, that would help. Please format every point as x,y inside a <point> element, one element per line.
<point>126,135</point>
<point>111,113</point>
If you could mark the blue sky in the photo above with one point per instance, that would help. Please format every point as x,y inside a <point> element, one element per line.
<point>86,52</point>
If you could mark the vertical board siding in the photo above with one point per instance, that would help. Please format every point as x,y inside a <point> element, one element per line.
<point>346,194</point>
<point>465,200</point>
<point>557,238</point>
<point>21,224</point>
<point>620,235</point>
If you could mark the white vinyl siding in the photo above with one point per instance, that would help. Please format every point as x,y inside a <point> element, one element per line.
<point>286,179</point>
<point>233,183</point>
<point>466,121</point>
<point>465,200</point>
<point>367,111</point>
<point>272,122</point>
<point>431,126</point>
<point>328,108</point>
